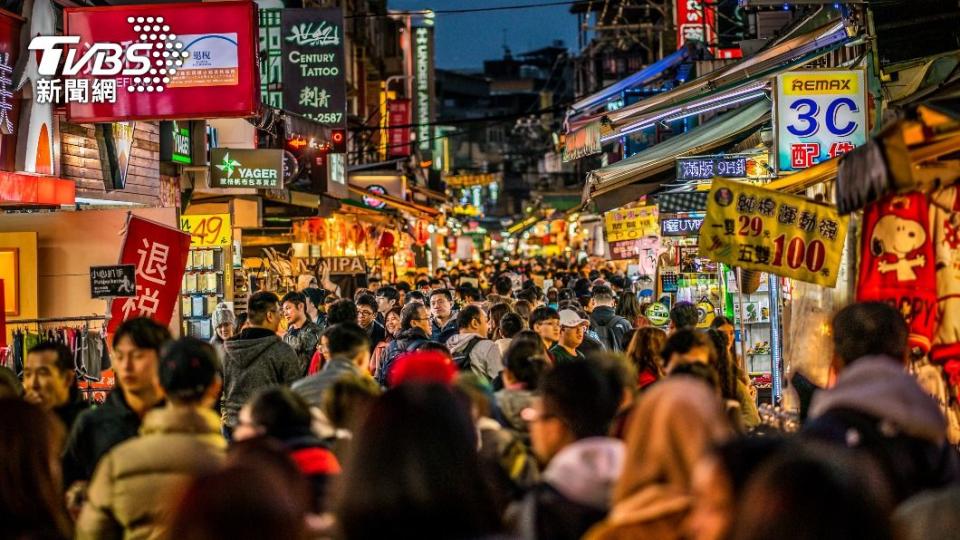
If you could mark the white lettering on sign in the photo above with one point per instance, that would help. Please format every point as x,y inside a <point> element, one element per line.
<point>102,58</point>
<point>345,265</point>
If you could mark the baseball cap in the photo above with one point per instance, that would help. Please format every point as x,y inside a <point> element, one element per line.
<point>569,318</point>
<point>187,368</point>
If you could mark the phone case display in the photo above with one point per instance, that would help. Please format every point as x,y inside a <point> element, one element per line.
<point>203,289</point>
<point>757,340</point>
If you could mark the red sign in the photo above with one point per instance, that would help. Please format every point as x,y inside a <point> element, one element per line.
<point>9,100</point>
<point>398,138</point>
<point>696,20</point>
<point>160,254</point>
<point>203,61</point>
<point>42,190</point>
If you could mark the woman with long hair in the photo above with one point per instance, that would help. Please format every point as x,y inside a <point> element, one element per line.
<point>732,386</point>
<point>674,424</point>
<point>31,483</point>
<point>628,307</point>
<point>391,326</point>
<point>497,311</point>
<point>418,448</point>
<point>644,352</point>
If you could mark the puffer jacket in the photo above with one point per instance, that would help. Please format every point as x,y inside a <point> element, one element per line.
<point>136,484</point>
<point>256,358</point>
<point>408,340</point>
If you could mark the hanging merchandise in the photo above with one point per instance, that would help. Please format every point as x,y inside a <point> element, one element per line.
<point>897,263</point>
<point>387,244</point>
<point>421,232</point>
<point>946,236</point>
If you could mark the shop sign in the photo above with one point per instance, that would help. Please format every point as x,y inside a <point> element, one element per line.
<point>115,142</point>
<point>658,314</point>
<point>159,254</point>
<point>312,45</point>
<point>398,128</point>
<point>680,226</point>
<point>760,229</point>
<point>234,167</point>
<point>36,151</point>
<point>176,142</point>
<point>207,230</point>
<point>118,281</point>
<point>819,115</point>
<point>345,265</point>
<point>152,61</point>
<point>372,201</point>
<point>468,210</point>
<point>723,166</point>
<point>696,21</point>
<point>625,249</point>
<point>423,88</point>
<point>39,190</point>
<point>471,180</point>
<point>10,26</point>
<point>582,142</point>
<point>630,223</point>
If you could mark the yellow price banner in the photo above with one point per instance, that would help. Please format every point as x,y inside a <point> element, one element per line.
<point>759,229</point>
<point>631,223</point>
<point>207,230</point>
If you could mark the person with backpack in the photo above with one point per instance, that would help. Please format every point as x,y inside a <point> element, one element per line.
<point>414,332</point>
<point>609,327</point>
<point>470,348</point>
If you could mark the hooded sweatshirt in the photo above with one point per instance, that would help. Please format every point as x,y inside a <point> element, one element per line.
<point>255,358</point>
<point>485,358</point>
<point>876,406</point>
<point>585,471</point>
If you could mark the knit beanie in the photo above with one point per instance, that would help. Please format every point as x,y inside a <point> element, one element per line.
<point>223,315</point>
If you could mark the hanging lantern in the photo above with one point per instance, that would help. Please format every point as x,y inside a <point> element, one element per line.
<point>421,233</point>
<point>387,245</point>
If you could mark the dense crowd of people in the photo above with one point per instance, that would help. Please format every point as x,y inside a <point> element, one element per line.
<point>528,401</point>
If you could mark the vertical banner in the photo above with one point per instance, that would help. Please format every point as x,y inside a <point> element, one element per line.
<point>819,115</point>
<point>160,255</point>
<point>313,72</point>
<point>696,21</point>
<point>423,90</point>
<point>398,138</point>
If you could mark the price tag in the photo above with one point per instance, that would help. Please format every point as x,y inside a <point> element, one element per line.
<point>207,230</point>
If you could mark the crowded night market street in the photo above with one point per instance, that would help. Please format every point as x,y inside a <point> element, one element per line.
<point>480,269</point>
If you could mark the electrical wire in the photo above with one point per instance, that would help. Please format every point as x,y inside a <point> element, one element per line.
<point>467,10</point>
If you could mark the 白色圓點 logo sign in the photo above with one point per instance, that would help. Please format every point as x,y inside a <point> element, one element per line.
<point>258,169</point>
<point>92,73</point>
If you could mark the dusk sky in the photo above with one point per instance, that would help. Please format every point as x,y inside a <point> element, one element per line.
<point>465,40</point>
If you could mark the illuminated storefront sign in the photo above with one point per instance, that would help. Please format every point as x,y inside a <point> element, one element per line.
<point>312,42</point>
<point>423,87</point>
<point>234,167</point>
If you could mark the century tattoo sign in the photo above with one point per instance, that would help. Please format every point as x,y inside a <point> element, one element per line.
<point>313,64</point>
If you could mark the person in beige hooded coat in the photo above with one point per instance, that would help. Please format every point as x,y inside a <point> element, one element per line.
<point>135,484</point>
<point>674,424</point>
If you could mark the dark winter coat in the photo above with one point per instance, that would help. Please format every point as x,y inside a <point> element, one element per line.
<point>69,411</point>
<point>610,328</point>
<point>94,433</point>
<point>447,331</point>
<point>304,342</point>
<point>877,408</point>
<point>256,358</point>
<point>406,341</point>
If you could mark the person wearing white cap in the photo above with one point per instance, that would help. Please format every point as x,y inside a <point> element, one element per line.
<point>572,330</point>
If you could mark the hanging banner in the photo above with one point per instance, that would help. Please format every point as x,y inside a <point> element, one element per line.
<point>207,230</point>
<point>696,21</point>
<point>582,142</point>
<point>312,45</point>
<point>423,89</point>
<point>630,223</point>
<point>160,255</point>
<point>398,128</point>
<point>759,229</point>
<point>819,115</point>
<point>188,60</point>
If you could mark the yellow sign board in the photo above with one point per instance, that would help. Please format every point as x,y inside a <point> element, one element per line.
<point>759,229</point>
<point>207,230</point>
<point>631,223</point>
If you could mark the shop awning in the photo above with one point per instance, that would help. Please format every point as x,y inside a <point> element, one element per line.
<point>731,83</point>
<point>644,76</point>
<point>617,184</point>
<point>415,209</point>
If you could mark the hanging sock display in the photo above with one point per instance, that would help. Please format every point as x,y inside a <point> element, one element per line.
<point>945,214</point>
<point>897,263</point>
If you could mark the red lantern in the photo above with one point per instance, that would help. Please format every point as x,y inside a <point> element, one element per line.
<point>387,244</point>
<point>421,233</point>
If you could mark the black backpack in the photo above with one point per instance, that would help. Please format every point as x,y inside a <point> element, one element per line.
<point>461,358</point>
<point>607,336</point>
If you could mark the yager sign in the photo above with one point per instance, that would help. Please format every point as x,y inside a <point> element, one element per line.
<point>234,167</point>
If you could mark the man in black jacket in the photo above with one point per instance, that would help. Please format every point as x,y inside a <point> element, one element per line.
<point>50,381</point>
<point>414,332</point>
<point>877,408</point>
<point>256,358</point>
<point>609,327</point>
<point>136,349</point>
